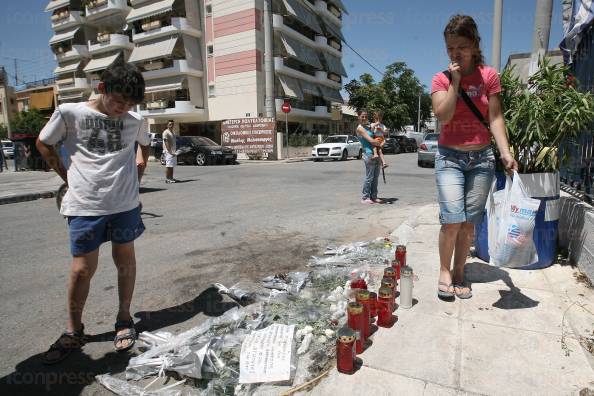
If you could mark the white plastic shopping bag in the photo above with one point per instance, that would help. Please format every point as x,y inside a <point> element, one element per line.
<point>514,246</point>
<point>495,210</point>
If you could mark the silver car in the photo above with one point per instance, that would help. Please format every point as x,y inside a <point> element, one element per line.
<point>427,150</point>
<point>8,148</point>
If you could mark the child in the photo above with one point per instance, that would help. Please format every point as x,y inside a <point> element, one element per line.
<point>102,198</point>
<point>379,131</point>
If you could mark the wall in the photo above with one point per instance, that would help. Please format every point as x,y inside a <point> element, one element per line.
<point>576,233</point>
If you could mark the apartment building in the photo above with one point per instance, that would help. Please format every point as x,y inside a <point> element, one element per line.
<point>204,60</point>
<point>8,107</point>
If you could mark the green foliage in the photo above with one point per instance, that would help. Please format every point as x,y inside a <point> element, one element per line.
<point>30,122</point>
<point>3,131</point>
<point>543,113</point>
<point>396,95</point>
<point>302,140</point>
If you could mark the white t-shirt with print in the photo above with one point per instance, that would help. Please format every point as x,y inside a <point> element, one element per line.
<point>102,176</point>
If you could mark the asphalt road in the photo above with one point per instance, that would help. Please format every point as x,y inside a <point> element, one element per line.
<point>221,224</point>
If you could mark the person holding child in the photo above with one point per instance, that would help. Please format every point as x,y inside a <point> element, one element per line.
<point>372,164</point>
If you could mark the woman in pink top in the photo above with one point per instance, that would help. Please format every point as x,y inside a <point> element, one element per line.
<point>465,163</point>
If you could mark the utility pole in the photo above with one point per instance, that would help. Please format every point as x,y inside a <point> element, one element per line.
<point>16,73</point>
<point>419,114</point>
<point>269,104</point>
<point>496,49</point>
<point>542,31</point>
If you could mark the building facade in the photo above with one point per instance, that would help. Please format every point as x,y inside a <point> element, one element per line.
<point>8,106</point>
<point>204,60</point>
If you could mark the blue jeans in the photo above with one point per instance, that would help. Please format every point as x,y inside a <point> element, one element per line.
<point>372,172</point>
<point>463,182</point>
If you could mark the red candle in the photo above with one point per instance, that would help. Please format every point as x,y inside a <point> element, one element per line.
<point>390,284</point>
<point>396,265</point>
<point>401,254</point>
<point>373,304</point>
<point>390,272</point>
<point>345,351</point>
<point>356,323</point>
<point>364,300</point>
<point>384,303</point>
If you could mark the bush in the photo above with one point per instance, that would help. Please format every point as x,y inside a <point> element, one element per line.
<point>302,140</point>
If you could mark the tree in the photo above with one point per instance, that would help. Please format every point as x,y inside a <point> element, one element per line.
<point>29,122</point>
<point>3,131</point>
<point>396,95</point>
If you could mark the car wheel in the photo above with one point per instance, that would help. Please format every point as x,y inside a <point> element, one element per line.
<point>200,159</point>
<point>360,155</point>
<point>420,163</point>
<point>344,156</point>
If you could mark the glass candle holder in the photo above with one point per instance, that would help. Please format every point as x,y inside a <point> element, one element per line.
<point>373,304</point>
<point>363,298</point>
<point>355,321</point>
<point>345,350</point>
<point>396,265</point>
<point>384,307</point>
<point>390,284</point>
<point>401,254</point>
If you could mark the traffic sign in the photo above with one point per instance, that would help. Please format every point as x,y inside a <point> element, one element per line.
<point>286,107</point>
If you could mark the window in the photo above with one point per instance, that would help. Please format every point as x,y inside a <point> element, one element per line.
<point>210,50</point>
<point>208,9</point>
<point>211,91</point>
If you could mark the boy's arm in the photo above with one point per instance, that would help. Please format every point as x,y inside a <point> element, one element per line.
<point>50,155</point>
<point>142,155</point>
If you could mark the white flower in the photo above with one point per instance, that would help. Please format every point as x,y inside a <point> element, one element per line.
<point>322,339</point>
<point>329,333</point>
<point>307,329</point>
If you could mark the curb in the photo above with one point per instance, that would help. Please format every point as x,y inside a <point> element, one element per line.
<point>27,197</point>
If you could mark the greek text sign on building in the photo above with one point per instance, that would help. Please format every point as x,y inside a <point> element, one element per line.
<point>249,135</point>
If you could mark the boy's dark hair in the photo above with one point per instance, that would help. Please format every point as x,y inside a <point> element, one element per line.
<point>168,121</point>
<point>465,26</point>
<point>124,79</point>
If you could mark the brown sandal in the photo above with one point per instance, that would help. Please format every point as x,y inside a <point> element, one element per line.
<point>69,341</point>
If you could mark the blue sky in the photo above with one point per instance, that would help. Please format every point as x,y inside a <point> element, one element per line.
<point>383,31</point>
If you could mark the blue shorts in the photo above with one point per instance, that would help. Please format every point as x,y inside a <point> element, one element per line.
<point>87,233</point>
<point>463,183</point>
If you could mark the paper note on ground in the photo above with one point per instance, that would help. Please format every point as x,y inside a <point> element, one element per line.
<point>266,355</point>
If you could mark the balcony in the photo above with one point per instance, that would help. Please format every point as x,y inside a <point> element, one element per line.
<point>330,12</point>
<point>160,29</point>
<point>67,19</point>
<point>56,4</point>
<point>305,111</point>
<point>323,78</point>
<point>96,9</point>
<point>110,42</point>
<point>73,52</point>
<point>280,67</point>
<point>163,108</point>
<point>72,84</point>
<point>329,45</point>
<point>163,68</point>
<point>279,24</point>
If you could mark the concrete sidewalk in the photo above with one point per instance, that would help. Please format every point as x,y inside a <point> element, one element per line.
<point>27,186</point>
<point>519,334</point>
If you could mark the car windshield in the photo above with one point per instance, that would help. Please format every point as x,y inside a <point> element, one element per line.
<point>431,137</point>
<point>203,141</point>
<point>7,144</point>
<point>335,139</point>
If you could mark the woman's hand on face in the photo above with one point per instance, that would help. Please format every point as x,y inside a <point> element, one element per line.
<point>509,163</point>
<point>454,69</point>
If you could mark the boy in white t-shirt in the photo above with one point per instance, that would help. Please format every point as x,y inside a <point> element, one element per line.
<point>102,200</point>
<point>379,131</point>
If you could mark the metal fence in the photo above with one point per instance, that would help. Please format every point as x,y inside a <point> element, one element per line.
<point>577,173</point>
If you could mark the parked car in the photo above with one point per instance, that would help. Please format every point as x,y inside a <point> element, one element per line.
<point>427,150</point>
<point>406,145</point>
<point>391,146</point>
<point>8,149</point>
<point>200,150</point>
<point>156,140</point>
<point>337,147</point>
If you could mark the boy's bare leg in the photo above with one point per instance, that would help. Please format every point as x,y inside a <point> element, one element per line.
<point>125,261</point>
<point>169,173</point>
<point>381,155</point>
<point>82,270</point>
<point>375,152</point>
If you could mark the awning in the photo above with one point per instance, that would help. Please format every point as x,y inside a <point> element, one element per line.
<point>331,94</point>
<point>303,14</point>
<point>310,88</point>
<point>157,8</point>
<point>334,64</point>
<point>63,36</point>
<point>54,4</point>
<point>41,100</point>
<point>156,50</point>
<point>75,96</point>
<point>339,4</point>
<point>100,63</point>
<point>291,87</point>
<point>303,53</point>
<point>70,68</point>
<point>165,84</point>
<point>331,28</point>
